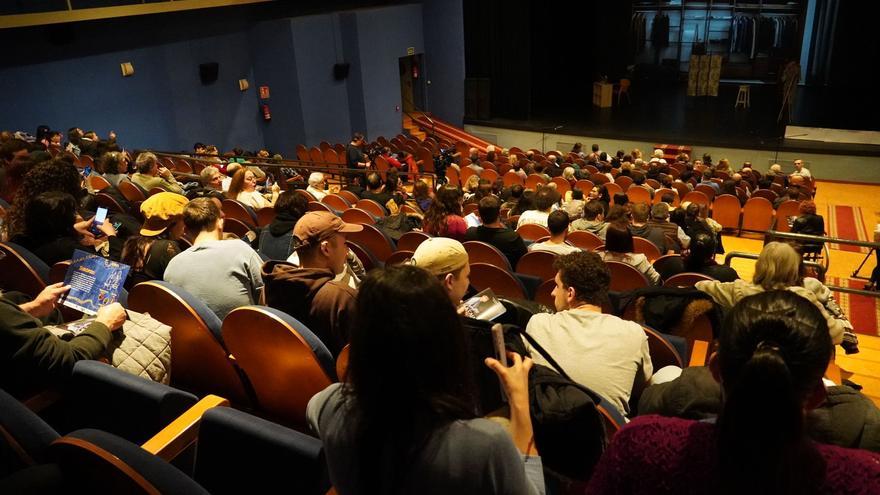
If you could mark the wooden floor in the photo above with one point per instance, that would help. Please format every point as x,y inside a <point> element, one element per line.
<point>862,368</point>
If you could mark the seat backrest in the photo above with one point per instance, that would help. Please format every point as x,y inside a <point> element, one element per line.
<point>611,417</point>
<point>318,206</point>
<point>597,178</point>
<point>200,362</point>
<point>501,281</point>
<point>371,207</point>
<point>686,279</point>
<point>624,277</point>
<point>538,264</point>
<point>302,153</point>
<point>98,183</point>
<point>757,214</point>
<point>562,185</point>
<point>305,194</point>
<point>265,216</point>
<point>238,211</point>
<point>646,247</point>
<point>697,197</point>
<point>409,241</point>
<point>587,241</point>
<point>359,216</point>
<point>481,252</point>
<point>21,270</point>
<point>24,436</point>
<point>374,240</point>
<point>489,174</point>
<point>131,191</point>
<point>613,189</point>
<point>707,190</point>
<point>112,400</point>
<point>336,202</point>
<point>452,176</point>
<point>364,255</point>
<point>790,208</point>
<point>241,453</point>
<point>544,293</point>
<point>766,194</point>
<point>236,226</point>
<point>100,462</point>
<point>398,258</point>
<point>624,181</point>
<point>349,196</point>
<point>726,211</point>
<point>316,155</point>
<point>342,362</point>
<point>638,194</point>
<point>532,231</point>
<point>512,178</point>
<point>285,363</point>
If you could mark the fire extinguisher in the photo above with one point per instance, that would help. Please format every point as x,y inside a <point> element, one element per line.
<point>266,114</point>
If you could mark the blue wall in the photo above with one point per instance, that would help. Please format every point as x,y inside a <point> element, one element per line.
<point>165,106</point>
<point>444,57</point>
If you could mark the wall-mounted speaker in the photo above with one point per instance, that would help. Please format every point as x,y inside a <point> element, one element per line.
<point>208,72</point>
<point>340,71</point>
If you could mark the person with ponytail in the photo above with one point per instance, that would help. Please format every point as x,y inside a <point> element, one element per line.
<point>773,350</point>
<point>403,420</point>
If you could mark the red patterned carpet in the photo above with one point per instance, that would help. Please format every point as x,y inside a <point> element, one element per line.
<point>846,222</point>
<point>862,311</point>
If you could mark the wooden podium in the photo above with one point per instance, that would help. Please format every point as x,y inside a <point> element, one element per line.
<point>602,94</point>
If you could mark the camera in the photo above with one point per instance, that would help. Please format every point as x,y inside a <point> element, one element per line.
<point>442,161</point>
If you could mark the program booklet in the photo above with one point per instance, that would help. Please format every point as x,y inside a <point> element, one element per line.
<point>94,282</point>
<point>483,306</point>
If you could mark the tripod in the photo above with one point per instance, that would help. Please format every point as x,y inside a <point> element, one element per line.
<point>855,273</point>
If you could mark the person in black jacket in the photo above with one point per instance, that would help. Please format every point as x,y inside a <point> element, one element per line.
<point>493,232</point>
<point>809,223</point>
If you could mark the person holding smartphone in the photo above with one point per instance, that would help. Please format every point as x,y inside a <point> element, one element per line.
<point>53,230</point>
<point>403,420</point>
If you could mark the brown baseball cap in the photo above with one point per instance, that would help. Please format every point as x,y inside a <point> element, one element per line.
<point>317,226</point>
<point>160,210</point>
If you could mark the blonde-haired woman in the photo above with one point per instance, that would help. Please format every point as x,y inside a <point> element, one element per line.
<point>779,268</point>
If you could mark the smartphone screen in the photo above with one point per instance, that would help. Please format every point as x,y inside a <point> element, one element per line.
<point>100,218</point>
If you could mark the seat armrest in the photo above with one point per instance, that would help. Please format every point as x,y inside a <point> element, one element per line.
<point>182,432</point>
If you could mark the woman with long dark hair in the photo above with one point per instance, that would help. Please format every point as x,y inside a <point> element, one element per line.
<point>773,349</point>
<point>404,422</point>
<point>619,247</point>
<point>150,252</point>
<point>443,217</point>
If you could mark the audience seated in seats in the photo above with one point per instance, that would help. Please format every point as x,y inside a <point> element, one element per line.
<point>210,185</point>
<point>493,232</point>
<point>484,189</point>
<point>149,253</point>
<point>230,171</point>
<point>772,353</point>
<point>310,292</point>
<point>700,258</point>
<point>557,223</point>
<point>511,197</point>
<point>799,170</point>
<point>243,188</point>
<point>54,175</point>
<point>276,239</point>
<point>422,196</point>
<point>621,199</point>
<point>150,175</point>
<point>513,202</point>
<point>676,239</point>
<point>707,180</point>
<point>779,268</point>
<point>316,186</point>
<point>693,223</point>
<point>404,420</point>
<point>619,247</point>
<point>600,193</point>
<point>575,206</point>
<point>804,189</point>
<point>639,227</point>
<point>809,223</point>
<point>92,145</point>
<point>600,351</point>
<point>789,194</point>
<point>545,198</point>
<point>444,216</point>
<point>639,180</point>
<point>16,159</point>
<point>474,155</point>
<point>32,358</point>
<point>469,188</point>
<point>593,220</point>
<point>52,232</point>
<point>378,192</point>
<point>225,274</point>
<point>114,167</point>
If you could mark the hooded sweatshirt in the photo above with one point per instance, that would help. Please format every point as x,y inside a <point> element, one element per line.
<point>312,296</point>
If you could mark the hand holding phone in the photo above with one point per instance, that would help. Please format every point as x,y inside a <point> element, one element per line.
<point>100,218</point>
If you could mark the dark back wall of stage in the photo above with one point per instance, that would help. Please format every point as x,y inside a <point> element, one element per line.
<point>542,56</point>
<point>69,75</point>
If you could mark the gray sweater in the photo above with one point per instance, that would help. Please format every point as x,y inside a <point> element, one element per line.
<point>223,274</point>
<point>467,456</point>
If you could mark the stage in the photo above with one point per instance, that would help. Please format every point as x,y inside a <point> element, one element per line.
<point>663,113</point>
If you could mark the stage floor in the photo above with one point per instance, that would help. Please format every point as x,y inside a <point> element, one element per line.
<point>665,114</point>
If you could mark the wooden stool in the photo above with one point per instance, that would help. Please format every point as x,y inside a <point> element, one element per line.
<point>743,97</point>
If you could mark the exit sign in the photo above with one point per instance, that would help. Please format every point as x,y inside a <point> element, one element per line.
<point>411,50</point>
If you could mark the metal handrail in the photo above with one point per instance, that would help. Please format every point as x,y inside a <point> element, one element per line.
<point>823,239</point>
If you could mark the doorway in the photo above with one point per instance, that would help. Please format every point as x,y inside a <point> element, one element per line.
<point>412,83</point>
